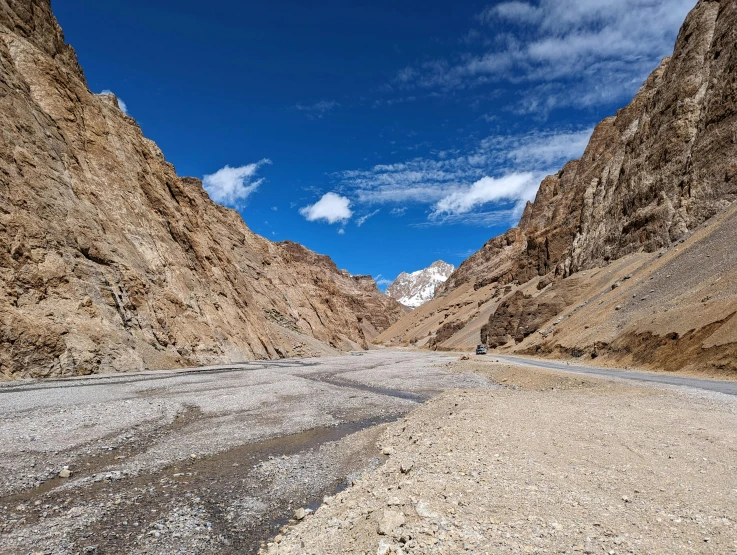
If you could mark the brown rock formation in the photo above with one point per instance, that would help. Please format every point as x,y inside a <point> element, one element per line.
<point>649,177</point>
<point>110,262</point>
<point>659,168</point>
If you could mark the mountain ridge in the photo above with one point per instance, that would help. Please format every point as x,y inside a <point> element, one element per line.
<point>111,262</point>
<point>651,176</point>
<point>416,288</point>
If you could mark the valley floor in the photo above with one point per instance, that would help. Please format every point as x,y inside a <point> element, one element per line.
<point>207,460</point>
<point>399,452</point>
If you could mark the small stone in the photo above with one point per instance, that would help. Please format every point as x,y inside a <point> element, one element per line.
<point>406,467</point>
<point>424,510</point>
<point>389,522</point>
<point>300,514</point>
<point>65,472</point>
<point>384,548</point>
<point>387,451</point>
<point>618,307</point>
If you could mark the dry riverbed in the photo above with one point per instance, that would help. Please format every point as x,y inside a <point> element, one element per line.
<point>552,463</point>
<point>207,461</point>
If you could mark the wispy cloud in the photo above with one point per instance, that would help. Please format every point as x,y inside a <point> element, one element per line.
<point>567,52</point>
<point>122,105</point>
<point>381,281</point>
<point>331,208</point>
<point>318,109</point>
<point>500,174</point>
<point>362,220</point>
<point>231,186</point>
<point>517,188</point>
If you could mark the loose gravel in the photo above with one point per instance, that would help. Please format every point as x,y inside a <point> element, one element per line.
<point>205,461</point>
<point>553,463</point>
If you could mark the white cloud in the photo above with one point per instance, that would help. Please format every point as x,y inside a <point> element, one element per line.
<point>381,281</point>
<point>318,109</point>
<point>428,180</point>
<point>567,52</point>
<point>122,105</point>
<point>331,208</point>
<point>540,149</point>
<point>487,186</point>
<point>362,220</point>
<point>229,186</point>
<point>517,188</point>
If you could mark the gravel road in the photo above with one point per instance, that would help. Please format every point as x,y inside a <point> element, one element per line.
<point>208,460</point>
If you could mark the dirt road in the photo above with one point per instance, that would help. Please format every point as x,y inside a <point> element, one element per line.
<point>207,460</point>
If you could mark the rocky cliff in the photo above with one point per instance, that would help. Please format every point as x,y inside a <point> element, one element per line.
<point>416,288</point>
<point>651,175</point>
<point>110,262</point>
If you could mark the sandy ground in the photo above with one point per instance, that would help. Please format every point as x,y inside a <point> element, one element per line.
<point>206,461</point>
<point>552,463</point>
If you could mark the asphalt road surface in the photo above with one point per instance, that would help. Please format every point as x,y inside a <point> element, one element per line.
<point>727,387</point>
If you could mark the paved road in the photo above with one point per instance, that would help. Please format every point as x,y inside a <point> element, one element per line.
<point>727,387</point>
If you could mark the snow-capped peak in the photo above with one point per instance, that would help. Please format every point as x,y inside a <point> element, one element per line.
<point>417,288</point>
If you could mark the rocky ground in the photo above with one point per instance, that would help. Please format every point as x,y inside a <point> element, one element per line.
<point>551,463</point>
<point>207,461</point>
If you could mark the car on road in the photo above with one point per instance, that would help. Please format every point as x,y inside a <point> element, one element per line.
<point>480,349</point>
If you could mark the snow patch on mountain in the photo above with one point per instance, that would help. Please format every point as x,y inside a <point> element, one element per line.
<point>419,287</point>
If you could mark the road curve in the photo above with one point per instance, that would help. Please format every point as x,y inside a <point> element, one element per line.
<point>720,386</point>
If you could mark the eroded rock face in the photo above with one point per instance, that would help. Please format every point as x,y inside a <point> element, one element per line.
<point>111,262</point>
<point>518,317</point>
<point>651,174</point>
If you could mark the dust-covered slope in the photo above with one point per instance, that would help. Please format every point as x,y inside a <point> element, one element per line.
<point>110,262</point>
<point>650,175</point>
<point>671,310</point>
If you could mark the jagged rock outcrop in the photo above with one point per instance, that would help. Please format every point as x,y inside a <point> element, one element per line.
<point>662,166</point>
<point>518,317</point>
<point>110,262</point>
<point>659,169</point>
<point>417,288</point>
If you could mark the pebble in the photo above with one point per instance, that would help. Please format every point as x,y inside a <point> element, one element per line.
<point>389,522</point>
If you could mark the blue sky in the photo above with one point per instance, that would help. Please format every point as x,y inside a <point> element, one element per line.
<point>386,136</point>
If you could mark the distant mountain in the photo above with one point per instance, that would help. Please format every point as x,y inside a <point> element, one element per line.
<point>417,288</point>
